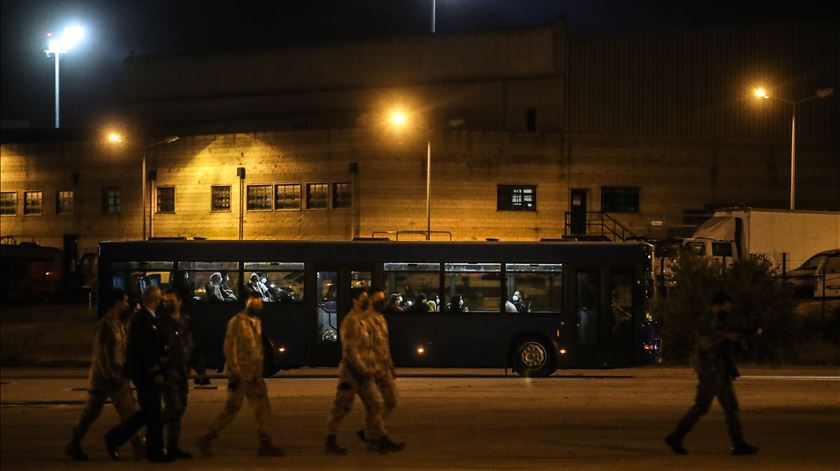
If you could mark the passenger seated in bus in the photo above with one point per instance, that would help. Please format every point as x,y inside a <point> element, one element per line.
<point>420,304</point>
<point>510,307</point>
<point>256,286</point>
<point>456,305</point>
<point>182,285</point>
<point>225,287</point>
<point>519,302</point>
<point>213,288</point>
<point>432,306</point>
<point>394,303</point>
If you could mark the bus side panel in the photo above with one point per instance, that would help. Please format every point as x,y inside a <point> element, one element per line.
<point>286,327</point>
<point>210,323</point>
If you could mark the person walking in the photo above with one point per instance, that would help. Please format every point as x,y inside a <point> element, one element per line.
<point>355,377</point>
<point>244,364</point>
<point>105,377</point>
<point>715,372</point>
<point>179,342</point>
<point>384,374</point>
<point>144,352</point>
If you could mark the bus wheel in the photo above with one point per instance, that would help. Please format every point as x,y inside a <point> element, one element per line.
<point>269,369</point>
<point>533,357</point>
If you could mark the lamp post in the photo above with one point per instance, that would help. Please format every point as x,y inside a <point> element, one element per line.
<point>56,47</point>
<point>399,119</point>
<point>821,93</point>
<point>116,138</point>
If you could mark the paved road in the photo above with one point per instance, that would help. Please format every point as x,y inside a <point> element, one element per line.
<point>468,419</point>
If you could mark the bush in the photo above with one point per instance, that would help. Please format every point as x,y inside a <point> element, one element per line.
<point>759,300</point>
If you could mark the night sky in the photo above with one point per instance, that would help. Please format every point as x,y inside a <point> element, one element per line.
<point>90,74</point>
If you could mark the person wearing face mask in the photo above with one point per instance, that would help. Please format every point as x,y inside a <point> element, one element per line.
<point>183,354</point>
<point>244,366</point>
<point>715,372</point>
<point>355,377</point>
<point>106,379</point>
<point>384,374</point>
<point>144,354</point>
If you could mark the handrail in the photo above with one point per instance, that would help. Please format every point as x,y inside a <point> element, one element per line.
<point>604,224</point>
<point>399,232</point>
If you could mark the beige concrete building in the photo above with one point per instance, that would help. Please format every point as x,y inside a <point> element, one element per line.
<point>650,130</point>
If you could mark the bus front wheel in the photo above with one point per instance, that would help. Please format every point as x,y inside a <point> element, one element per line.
<point>533,357</point>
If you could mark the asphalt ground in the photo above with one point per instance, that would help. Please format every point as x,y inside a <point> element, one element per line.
<point>464,419</point>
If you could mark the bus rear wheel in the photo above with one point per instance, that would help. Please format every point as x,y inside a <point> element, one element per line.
<point>533,357</point>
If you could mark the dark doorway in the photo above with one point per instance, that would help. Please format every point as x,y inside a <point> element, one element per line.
<point>578,210</point>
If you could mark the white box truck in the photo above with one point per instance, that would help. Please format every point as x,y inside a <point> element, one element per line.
<point>767,233</point>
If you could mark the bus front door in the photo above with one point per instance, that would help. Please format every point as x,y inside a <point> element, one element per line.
<point>332,288</point>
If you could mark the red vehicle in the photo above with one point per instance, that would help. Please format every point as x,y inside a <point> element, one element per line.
<point>30,271</point>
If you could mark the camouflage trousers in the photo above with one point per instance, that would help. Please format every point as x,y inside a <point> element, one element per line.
<point>175,391</point>
<point>709,387</point>
<point>388,390</point>
<point>368,392</point>
<point>123,402</point>
<point>257,394</point>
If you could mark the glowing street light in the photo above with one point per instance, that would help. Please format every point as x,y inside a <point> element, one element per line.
<point>399,119</point>
<point>115,138</point>
<point>71,36</point>
<point>761,93</point>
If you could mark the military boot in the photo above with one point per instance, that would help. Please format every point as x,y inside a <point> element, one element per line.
<point>675,442</point>
<point>267,449</point>
<point>203,443</point>
<point>384,444</point>
<point>742,448</point>
<point>331,446</point>
<point>74,448</point>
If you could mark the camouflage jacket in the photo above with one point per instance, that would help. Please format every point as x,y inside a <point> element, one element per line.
<point>108,359</point>
<point>181,347</point>
<point>381,342</point>
<point>715,360</point>
<point>243,347</point>
<point>357,353</point>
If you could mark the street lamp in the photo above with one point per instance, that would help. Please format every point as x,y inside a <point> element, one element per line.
<point>58,46</point>
<point>762,93</point>
<point>116,138</point>
<point>400,120</point>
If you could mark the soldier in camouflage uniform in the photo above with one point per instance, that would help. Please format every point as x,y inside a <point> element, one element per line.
<point>715,372</point>
<point>355,377</point>
<point>244,365</point>
<point>384,374</point>
<point>181,355</point>
<point>106,378</point>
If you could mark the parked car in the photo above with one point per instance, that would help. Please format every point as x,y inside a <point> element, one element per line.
<point>819,273</point>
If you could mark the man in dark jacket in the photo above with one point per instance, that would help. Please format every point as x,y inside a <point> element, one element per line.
<point>143,356</point>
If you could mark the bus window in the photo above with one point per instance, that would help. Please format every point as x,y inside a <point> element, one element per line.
<point>276,282</point>
<point>360,279</point>
<point>621,307</point>
<point>473,287</point>
<point>534,287</point>
<point>326,288</point>
<point>211,282</point>
<point>135,277</point>
<point>412,287</point>
<point>587,307</point>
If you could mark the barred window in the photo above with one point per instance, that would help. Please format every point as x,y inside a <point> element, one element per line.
<point>516,198</point>
<point>317,195</point>
<point>64,202</point>
<point>8,203</point>
<point>342,195</point>
<point>259,197</point>
<point>166,199</point>
<point>287,196</point>
<point>33,202</point>
<point>220,198</point>
<point>620,199</point>
<point>111,200</point>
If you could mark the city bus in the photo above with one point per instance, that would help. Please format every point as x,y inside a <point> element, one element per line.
<point>530,307</point>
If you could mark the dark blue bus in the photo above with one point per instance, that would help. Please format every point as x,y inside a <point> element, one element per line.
<point>533,307</point>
